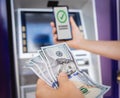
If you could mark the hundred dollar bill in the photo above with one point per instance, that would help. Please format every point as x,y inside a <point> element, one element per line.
<point>104,88</point>
<point>42,66</point>
<point>48,66</point>
<point>89,88</point>
<point>60,59</point>
<point>35,69</point>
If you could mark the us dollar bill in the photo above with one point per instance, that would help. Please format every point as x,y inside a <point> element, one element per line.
<point>60,59</point>
<point>104,88</point>
<point>89,88</point>
<point>42,67</point>
<point>35,69</point>
<point>48,67</point>
<point>54,59</point>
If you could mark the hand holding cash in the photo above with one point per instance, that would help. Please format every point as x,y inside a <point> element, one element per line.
<point>52,60</point>
<point>66,89</point>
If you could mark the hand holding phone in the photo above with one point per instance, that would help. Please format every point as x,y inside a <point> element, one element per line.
<point>62,23</point>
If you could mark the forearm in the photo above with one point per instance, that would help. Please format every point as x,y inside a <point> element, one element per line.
<point>110,49</point>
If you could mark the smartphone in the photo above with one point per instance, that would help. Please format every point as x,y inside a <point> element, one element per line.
<point>62,23</point>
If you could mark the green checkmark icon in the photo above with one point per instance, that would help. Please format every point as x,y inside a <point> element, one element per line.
<point>61,16</point>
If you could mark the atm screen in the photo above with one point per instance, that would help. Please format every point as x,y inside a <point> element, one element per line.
<point>36,29</point>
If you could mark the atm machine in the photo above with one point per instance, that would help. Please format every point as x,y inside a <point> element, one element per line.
<point>31,30</point>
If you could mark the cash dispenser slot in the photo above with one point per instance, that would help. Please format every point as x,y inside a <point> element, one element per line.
<point>82,62</point>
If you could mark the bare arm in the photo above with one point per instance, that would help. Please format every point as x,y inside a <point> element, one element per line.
<point>110,49</point>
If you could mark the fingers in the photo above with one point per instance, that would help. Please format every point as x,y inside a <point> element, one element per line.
<point>52,24</point>
<point>40,83</point>
<point>41,87</point>
<point>54,31</point>
<point>43,90</point>
<point>55,38</point>
<point>62,78</point>
<point>73,24</point>
<point>53,28</point>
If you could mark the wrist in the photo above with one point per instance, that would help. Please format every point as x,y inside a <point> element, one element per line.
<point>81,44</point>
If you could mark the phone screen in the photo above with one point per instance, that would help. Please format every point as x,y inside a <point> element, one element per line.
<point>62,23</point>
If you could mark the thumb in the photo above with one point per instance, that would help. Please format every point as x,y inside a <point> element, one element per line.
<point>62,78</point>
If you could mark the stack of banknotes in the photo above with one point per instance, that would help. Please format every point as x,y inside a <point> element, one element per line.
<point>51,60</point>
